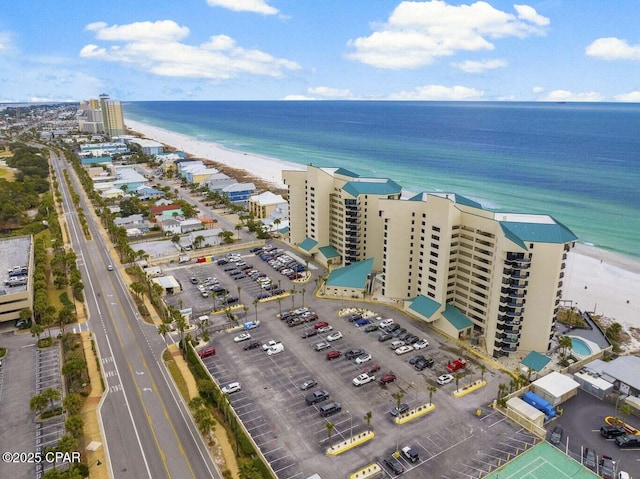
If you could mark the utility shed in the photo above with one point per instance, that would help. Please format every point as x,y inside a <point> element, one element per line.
<point>555,388</point>
<point>525,411</point>
<point>169,284</point>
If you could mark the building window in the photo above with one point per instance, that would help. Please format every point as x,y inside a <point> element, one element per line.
<point>436,229</point>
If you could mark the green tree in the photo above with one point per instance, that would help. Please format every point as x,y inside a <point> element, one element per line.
<point>483,368</point>
<point>330,427</point>
<point>565,343</point>
<point>36,330</point>
<point>138,288</point>
<point>255,305</point>
<point>163,329</point>
<point>456,377</point>
<point>367,417</point>
<point>72,403</point>
<point>74,424</point>
<point>398,396</point>
<point>38,403</point>
<point>51,395</point>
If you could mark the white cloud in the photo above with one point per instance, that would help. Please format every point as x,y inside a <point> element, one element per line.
<point>566,95</point>
<point>439,92</point>
<point>612,48</point>
<point>418,33</point>
<point>218,59</point>
<point>631,97</point>
<point>298,98</point>
<point>156,32</point>
<point>329,92</point>
<point>471,66</point>
<point>537,89</point>
<point>255,6</point>
<point>5,42</point>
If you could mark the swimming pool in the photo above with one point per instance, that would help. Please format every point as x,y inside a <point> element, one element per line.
<point>580,347</point>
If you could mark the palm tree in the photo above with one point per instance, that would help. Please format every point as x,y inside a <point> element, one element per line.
<point>255,305</point>
<point>367,418</point>
<point>501,389</point>
<point>302,291</point>
<point>245,309</point>
<point>565,343</point>
<point>293,298</point>
<point>51,395</point>
<point>399,396</point>
<point>276,223</point>
<point>279,300</point>
<point>457,377</point>
<point>483,368</point>
<point>238,227</point>
<point>197,241</point>
<point>431,389</point>
<point>330,426</point>
<point>239,298</point>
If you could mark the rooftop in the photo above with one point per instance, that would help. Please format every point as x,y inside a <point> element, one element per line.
<point>536,361</point>
<point>372,186</point>
<point>424,306</point>
<point>534,228</point>
<point>351,276</point>
<point>456,317</point>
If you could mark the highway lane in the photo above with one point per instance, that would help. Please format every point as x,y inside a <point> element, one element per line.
<point>148,429</point>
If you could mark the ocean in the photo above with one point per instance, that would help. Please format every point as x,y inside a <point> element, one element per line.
<point>579,162</point>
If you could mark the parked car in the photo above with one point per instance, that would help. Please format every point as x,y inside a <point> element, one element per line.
<point>252,345</point>
<point>445,379</point>
<point>331,408</point>
<point>556,436</point>
<point>242,337</point>
<point>628,441</point>
<point>308,384</point>
<point>394,465</point>
<point>410,454</point>
<point>334,336</point>
<point>416,358</point>
<point>325,329</point>
<point>420,344</point>
<point>385,337</point>
<point>320,324</point>
<point>611,432</point>
<point>353,353</point>
<point>205,353</point>
<point>370,328</point>
<point>426,363</point>
<point>404,349</point>
<point>269,344</point>
<point>363,378</point>
<point>589,458</point>
<point>387,378</point>
<point>607,467</point>
<point>231,388</point>
<point>308,333</point>
<point>363,358</point>
<point>321,346</point>
<point>456,364</point>
<point>333,354</point>
<point>411,339</point>
<point>386,322</point>
<point>372,368</point>
<point>362,322</point>
<point>316,397</point>
<point>399,410</point>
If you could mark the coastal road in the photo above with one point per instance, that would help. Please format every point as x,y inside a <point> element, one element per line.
<point>148,429</point>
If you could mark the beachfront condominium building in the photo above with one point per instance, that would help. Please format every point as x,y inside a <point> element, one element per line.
<point>495,277</point>
<point>334,213</point>
<point>112,116</point>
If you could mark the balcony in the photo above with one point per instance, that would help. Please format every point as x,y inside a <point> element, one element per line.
<point>507,301</point>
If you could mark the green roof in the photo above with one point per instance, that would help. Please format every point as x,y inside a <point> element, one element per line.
<point>308,244</point>
<point>284,230</point>
<point>456,198</point>
<point>378,186</point>
<point>456,317</point>
<point>538,232</point>
<point>329,252</point>
<point>424,306</point>
<point>542,460</point>
<point>345,172</point>
<point>536,361</point>
<point>351,276</point>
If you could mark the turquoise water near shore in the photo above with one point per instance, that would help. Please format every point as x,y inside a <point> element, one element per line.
<point>578,162</point>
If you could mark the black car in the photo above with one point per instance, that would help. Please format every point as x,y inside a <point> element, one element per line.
<point>556,435</point>
<point>393,464</point>
<point>251,345</point>
<point>399,332</point>
<point>589,458</point>
<point>416,358</point>
<point>316,397</point>
<point>424,363</point>
<point>610,432</point>
<point>222,262</point>
<point>628,441</point>
<point>607,467</point>
<point>399,410</point>
<point>309,332</point>
<point>411,339</point>
<point>255,250</point>
<point>370,328</point>
<point>353,353</point>
<point>385,337</point>
<point>351,317</point>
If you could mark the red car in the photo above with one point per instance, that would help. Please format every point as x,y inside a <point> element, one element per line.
<point>205,353</point>
<point>333,354</point>
<point>371,369</point>
<point>456,364</point>
<point>387,378</point>
<point>320,324</point>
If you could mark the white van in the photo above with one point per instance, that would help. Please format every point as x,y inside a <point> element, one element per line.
<point>396,344</point>
<point>278,348</point>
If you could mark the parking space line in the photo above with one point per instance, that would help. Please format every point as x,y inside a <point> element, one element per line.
<point>286,467</point>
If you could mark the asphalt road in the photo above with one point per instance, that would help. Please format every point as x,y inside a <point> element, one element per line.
<point>148,429</point>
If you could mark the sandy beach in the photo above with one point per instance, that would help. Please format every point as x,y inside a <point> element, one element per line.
<point>595,280</point>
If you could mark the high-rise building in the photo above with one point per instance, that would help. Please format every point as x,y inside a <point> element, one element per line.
<point>112,116</point>
<point>494,277</point>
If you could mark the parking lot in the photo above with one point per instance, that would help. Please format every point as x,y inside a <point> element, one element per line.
<point>293,436</point>
<point>581,420</point>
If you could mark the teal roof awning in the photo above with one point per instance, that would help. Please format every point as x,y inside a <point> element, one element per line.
<point>456,317</point>
<point>352,276</point>
<point>329,252</point>
<point>424,306</point>
<point>284,230</point>
<point>377,186</point>
<point>538,232</point>
<point>308,244</point>
<point>535,361</point>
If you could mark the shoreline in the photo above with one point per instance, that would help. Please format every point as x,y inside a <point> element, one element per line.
<point>595,279</point>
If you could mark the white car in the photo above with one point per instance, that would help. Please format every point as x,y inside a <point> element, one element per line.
<point>231,388</point>
<point>325,329</point>
<point>363,358</point>
<point>334,336</point>
<point>386,322</point>
<point>242,337</point>
<point>269,344</point>
<point>278,348</point>
<point>445,379</point>
<point>363,378</point>
<point>404,349</point>
<point>423,343</point>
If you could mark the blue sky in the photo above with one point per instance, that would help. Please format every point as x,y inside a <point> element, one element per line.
<point>548,50</point>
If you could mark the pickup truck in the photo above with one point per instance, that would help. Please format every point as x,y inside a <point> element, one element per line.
<point>269,344</point>
<point>363,378</point>
<point>456,364</point>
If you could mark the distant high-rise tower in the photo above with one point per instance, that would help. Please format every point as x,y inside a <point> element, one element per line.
<point>112,117</point>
